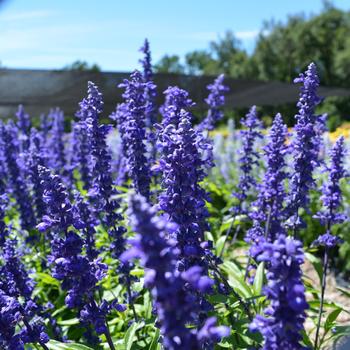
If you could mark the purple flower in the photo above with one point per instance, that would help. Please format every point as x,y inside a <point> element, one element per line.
<point>215,101</point>
<point>10,316</point>
<point>79,273</point>
<point>81,157</point>
<point>16,288</point>
<point>146,62</point>
<point>269,205</point>
<point>134,131</point>
<point>305,145</point>
<point>36,158</point>
<point>331,191</point>
<point>332,196</point>
<point>249,156</point>
<point>150,97</point>
<point>173,292</point>
<point>15,178</point>
<point>176,99</point>
<point>24,125</point>
<point>282,324</point>
<point>327,240</point>
<point>57,160</point>
<point>183,199</point>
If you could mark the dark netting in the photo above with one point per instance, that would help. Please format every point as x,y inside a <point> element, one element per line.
<point>39,90</point>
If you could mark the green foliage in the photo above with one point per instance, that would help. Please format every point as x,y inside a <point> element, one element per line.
<point>282,51</point>
<point>82,66</point>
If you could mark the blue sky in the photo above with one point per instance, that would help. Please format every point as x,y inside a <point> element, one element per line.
<point>51,34</point>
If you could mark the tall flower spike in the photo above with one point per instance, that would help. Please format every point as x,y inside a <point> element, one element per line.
<point>176,99</point>
<point>16,288</point>
<point>269,205</point>
<point>81,157</point>
<point>158,256</point>
<point>331,192</point>
<point>249,157</point>
<point>183,199</point>
<point>34,160</point>
<point>331,198</point>
<point>102,194</point>
<point>57,159</point>
<point>215,101</point>
<point>305,146</point>
<point>78,273</point>
<point>150,96</point>
<point>282,324</point>
<point>146,62</point>
<point>24,125</point>
<point>134,134</point>
<point>15,179</point>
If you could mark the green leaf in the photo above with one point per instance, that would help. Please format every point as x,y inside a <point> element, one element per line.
<point>259,278</point>
<point>45,278</point>
<point>344,291</point>
<point>331,318</point>
<point>70,322</point>
<point>129,336</point>
<point>220,244</point>
<point>56,345</point>
<point>316,263</point>
<point>154,344</point>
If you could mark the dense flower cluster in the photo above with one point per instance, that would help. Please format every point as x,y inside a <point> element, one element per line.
<point>283,321</point>
<point>24,125</point>
<point>331,192</point>
<point>269,204</point>
<point>16,285</point>
<point>174,304</point>
<point>215,101</point>
<point>78,273</point>
<point>305,145</point>
<point>134,134</point>
<point>59,191</point>
<point>176,99</point>
<point>15,180</point>
<point>183,198</point>
<point>249,156</point>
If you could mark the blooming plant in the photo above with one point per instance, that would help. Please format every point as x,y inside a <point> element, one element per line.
<point>117,236</point>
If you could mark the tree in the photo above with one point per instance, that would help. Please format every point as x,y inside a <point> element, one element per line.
<point>169,64</point>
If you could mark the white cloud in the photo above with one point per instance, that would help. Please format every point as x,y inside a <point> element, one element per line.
<point>29,15</point>
<point>247,34</point>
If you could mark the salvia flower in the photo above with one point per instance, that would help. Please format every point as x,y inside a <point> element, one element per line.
<point>16,181</point>
<point>101,194</point>
<point>249,156</point>
<point>24,125</point>
<point>183,199</point>
<point>134,135</point>
<point>78,273</point>
<point>215,101</point>
<point>16,285</point>
<point>176,99</point>
<point>305,145</point>
<point>36,158</point>
<point>268,209</point>
<point>331,191</point>
<point>150,97</point>
<point>146,61</point>
<point>282,324</point>
<point>57,160</point>
<point>174,303</point>
<point>81,157</point>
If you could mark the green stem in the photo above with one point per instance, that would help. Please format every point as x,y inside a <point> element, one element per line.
<point>323,288</point>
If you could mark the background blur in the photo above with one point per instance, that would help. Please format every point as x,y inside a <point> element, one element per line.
<point>250,41</point>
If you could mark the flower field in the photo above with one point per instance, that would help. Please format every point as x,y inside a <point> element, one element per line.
<point>156,233</point>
